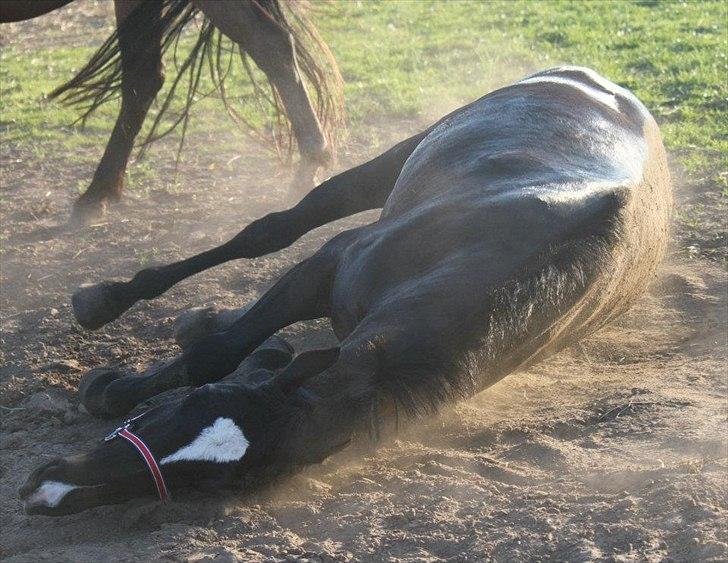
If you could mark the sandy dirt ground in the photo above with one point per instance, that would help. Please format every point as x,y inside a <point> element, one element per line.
<point>615,449</point>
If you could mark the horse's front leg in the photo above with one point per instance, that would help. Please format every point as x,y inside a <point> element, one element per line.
<point>301,294</point>
<point>141,79</point>
<point>199,322</point>
<point>246,428</point>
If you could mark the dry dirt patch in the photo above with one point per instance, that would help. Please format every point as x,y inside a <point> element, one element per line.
<point>613,449</point>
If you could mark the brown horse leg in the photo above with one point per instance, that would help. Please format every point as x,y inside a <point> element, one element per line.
<point>20,10</point>
<point>280,66</point>
<point>273,51</point>
<point>141,79</point>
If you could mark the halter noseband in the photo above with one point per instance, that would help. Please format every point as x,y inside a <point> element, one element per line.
<point>124,432</point>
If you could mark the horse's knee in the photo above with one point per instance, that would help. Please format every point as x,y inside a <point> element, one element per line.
<point>92,391</point>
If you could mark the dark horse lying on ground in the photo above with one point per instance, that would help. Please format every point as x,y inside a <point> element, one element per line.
<point>131,61</point>
<point>510,228</point>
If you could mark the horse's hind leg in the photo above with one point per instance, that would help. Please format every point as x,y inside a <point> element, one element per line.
<point>272,49</point>
<point>301,294</point>
<point>366,186</point>
<point>141,79</point>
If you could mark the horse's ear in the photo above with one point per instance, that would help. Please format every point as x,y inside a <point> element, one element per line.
<point>304,366</point>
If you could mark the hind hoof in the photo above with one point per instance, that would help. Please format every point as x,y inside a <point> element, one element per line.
<point>92,388</point>
<point>199,322</point>
<point>86,213</point>
<point>194,324</point>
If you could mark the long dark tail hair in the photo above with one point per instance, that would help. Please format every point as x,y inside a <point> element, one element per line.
<point>100,79</point>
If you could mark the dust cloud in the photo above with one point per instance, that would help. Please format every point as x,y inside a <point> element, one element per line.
<point>615,448</point>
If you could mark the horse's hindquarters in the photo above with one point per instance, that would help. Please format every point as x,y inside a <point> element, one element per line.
<point>620,266</point>
<point>498,282</point>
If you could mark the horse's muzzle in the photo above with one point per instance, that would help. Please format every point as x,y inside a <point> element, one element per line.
<point>66,486</point>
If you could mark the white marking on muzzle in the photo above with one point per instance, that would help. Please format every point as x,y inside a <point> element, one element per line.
<point>50,493</point>
<point>222,442</point>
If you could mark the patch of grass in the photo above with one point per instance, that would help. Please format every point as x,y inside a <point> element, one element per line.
<point>396,56</point>
<point>690,217</point>
<point>418,59</point>
<point>146,257</point>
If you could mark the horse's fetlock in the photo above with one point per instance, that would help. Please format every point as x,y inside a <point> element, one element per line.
<point>149,282</point>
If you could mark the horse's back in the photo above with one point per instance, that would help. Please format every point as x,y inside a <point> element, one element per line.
<point>556,185</point>
<point>559,132</point>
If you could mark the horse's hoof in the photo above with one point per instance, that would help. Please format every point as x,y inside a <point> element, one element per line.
<point>91,390</point>
<point>194,324</point>
<point>85,213</point>
<point>277,343</point>
<point>198,322</point>
<point>94,305</point>
<point>259,367</point>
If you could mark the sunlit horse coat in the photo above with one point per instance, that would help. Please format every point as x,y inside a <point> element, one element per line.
<point>510,228</point>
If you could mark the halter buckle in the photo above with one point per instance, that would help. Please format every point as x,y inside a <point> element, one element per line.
<point>126,425</point>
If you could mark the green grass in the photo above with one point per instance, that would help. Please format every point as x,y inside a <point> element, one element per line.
<point>417,59</point>
<point>400,58</point>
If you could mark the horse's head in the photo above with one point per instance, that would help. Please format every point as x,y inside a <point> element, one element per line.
<point>214,437</point>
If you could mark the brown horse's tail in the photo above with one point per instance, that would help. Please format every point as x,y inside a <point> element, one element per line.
<point>100,79</point>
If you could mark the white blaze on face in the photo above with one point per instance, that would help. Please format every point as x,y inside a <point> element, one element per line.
<point>222,442</point>
<point>50,493</point>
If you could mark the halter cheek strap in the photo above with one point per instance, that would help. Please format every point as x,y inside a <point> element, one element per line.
<point>154,469</point>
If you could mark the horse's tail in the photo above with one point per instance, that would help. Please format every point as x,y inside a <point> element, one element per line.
<point>100,79</point>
